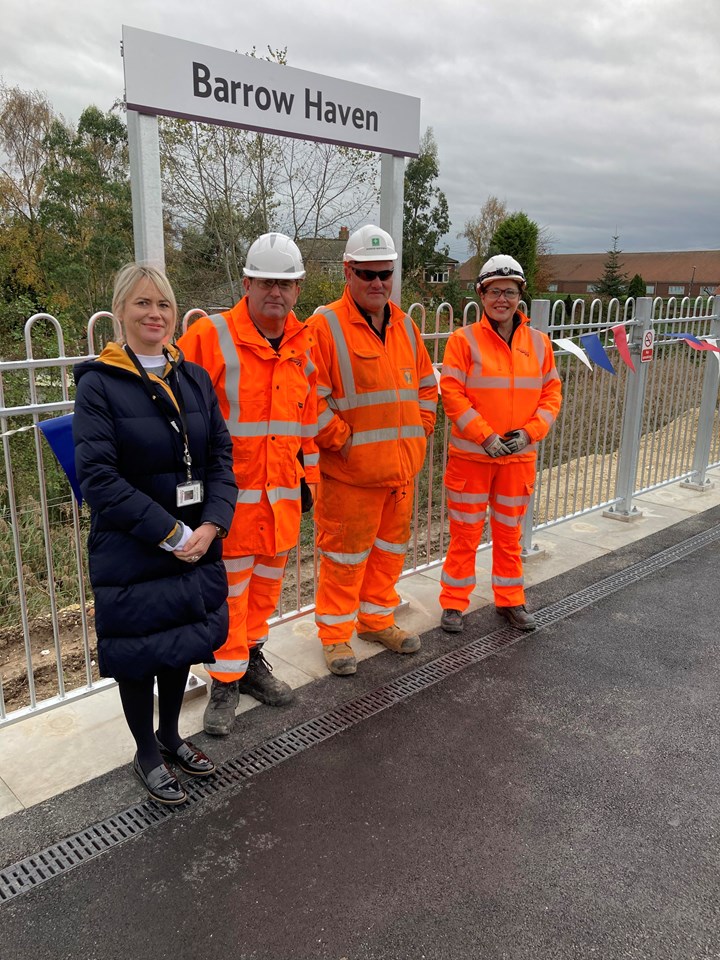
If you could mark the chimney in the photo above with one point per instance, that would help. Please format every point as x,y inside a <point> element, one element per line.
<point>344,233</point>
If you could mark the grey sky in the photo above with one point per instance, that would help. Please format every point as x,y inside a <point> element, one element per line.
<point>591,117</point>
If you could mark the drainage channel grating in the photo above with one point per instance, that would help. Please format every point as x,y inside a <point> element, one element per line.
<point>29,873</point>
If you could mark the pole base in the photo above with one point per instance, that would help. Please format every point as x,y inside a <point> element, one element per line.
<point>627,517</point>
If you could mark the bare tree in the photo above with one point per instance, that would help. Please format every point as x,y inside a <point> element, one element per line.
<point>323,187</point>
<point>478,231</point>
<point>219,186</point>
<point>223,187</point>
<point>26,117</point>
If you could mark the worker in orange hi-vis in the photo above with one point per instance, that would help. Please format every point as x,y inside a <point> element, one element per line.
<point>258,356</point>
<point>502,393</point>
<point>377,400</point>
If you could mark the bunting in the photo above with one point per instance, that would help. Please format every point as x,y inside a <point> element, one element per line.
<point>621,342</point>
<point>692,340</point>
<point>593,348</point>
<point>596,351</point>
<point>566,344</point>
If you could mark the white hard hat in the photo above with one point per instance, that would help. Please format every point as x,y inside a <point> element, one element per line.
<point>275,256</point>
<point>501,267</point>
<point>370,243</point>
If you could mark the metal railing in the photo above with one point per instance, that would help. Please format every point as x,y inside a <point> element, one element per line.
<point>616,437</point>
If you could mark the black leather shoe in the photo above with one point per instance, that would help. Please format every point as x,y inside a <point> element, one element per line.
<point>160,783</point>
<point>518,617</point>
<point>451,621</point>
<point>189,759</point>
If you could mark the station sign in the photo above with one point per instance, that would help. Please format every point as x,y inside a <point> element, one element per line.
<point>177,78</point>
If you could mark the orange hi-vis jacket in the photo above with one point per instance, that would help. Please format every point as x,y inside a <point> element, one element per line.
<point>269,403</point>
<point>489,386</point>
<point>384,394</point>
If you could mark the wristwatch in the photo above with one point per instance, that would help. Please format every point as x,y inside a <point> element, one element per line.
<point>220,531</point>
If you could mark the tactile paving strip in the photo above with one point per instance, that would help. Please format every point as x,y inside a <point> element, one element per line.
<point>57,859</point>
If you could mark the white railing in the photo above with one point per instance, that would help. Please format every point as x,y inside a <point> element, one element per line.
<point>616,436</point>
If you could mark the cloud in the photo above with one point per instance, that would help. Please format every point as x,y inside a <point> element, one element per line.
<point>591,118</point>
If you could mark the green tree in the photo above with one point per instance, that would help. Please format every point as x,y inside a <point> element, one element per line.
<point>86,211</point>
<point>317,288</point>
<point>613,282</point>
<point>425,210</point>
<point>517,236</point>
<point>636,287</point>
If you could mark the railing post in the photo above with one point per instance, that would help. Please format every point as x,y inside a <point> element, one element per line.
<point>708,407</point>
<point>632,418</point>
<point>540,318</point>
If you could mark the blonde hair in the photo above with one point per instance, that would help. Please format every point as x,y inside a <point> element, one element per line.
<point>130,275</point>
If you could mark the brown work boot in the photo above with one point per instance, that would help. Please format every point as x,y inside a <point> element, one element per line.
<point>340,659</point>
<point>395,639</point>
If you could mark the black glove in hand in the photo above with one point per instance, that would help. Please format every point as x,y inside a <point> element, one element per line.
<point>495,447</point>
<point>516,440</point>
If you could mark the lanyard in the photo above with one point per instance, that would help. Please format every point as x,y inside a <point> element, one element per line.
<point>158,396</point>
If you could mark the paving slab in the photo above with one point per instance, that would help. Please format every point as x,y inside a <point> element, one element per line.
<point>9,803</point>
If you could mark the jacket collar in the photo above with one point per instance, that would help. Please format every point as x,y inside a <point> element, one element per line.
<point>115,357</point>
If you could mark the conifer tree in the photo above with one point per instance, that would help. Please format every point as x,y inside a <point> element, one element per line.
<point>613,282</point>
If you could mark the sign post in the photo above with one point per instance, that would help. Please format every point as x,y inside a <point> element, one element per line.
<point>146,188</point>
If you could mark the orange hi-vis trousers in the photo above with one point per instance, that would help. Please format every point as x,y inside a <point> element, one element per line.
<point>362,538</point>
<point>254,585</point>
<point>472,486</point>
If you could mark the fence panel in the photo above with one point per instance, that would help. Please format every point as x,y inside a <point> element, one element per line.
<point>47,640</point>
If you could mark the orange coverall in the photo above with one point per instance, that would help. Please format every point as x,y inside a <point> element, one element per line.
<point>269,402</point>
<point>489,386</point>
<point>385,395</point>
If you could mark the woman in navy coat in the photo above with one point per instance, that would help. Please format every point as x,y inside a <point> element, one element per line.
<point>154,461</point>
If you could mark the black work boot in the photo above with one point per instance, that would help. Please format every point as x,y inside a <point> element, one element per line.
<point>259,682</point>
<point>518,617</point>
<point>451,621</point>
<point>219,715</point>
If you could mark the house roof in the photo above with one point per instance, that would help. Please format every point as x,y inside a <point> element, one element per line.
<point>664,267</point>
<point>322,249</point>
<point>470,269</point>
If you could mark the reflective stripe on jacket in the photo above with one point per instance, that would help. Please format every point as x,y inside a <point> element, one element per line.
<point>384,394</point>
<point>489,386</point>
<point>269,403</point>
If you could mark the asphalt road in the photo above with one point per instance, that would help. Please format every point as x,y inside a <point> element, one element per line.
<point>557,800</point>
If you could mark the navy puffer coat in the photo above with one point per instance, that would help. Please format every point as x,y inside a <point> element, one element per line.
<point>151,609</point>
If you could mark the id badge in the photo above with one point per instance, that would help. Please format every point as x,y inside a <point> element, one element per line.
<point>189,493</point>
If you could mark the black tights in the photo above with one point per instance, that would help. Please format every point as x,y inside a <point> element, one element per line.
<point>137,703</point>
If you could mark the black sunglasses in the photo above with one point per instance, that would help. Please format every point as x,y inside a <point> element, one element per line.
<point>369,275</point>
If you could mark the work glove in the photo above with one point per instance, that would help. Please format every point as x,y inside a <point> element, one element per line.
<point>516,440</point>
<point>495,446</point>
